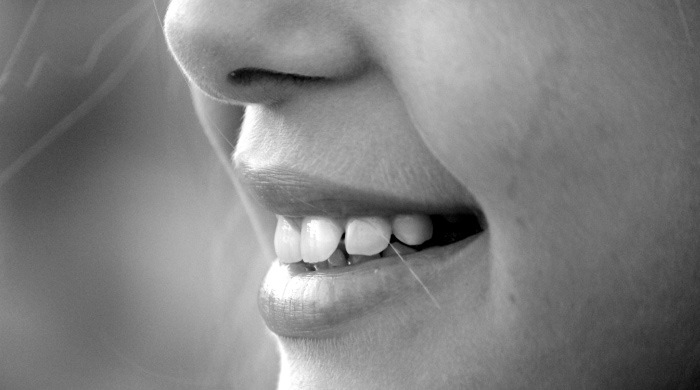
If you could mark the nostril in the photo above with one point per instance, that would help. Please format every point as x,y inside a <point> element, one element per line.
<point>269,52</point>
<point>248,76</point>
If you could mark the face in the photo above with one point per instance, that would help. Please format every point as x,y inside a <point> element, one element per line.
<point>569,130</point>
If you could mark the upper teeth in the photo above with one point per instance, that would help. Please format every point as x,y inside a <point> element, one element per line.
<point>315,239</point>
<point>319,238</point>
<point>367,236</point>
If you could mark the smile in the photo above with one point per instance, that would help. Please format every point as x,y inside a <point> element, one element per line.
<point>343,255</point>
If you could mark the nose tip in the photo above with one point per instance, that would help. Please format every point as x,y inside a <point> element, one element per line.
<point>245,51</point>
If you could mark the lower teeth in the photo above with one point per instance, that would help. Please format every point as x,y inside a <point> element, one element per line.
<point>359,259</point>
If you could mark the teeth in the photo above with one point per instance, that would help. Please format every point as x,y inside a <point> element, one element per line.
<point>287,241</point>
<point>321,265</point>
<point>367,235</point>
<point>319,238</point>
<point>397,248</point>
<point>412,229</point>
<point>358,259</point>
<point>337,259</point>
<point>298,268</point>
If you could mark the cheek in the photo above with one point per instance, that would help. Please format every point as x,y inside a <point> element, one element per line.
<point>573,163</point>
<point>521,119</point>
<point>470,107</point>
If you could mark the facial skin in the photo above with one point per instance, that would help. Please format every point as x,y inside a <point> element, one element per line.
<point>575,127</point>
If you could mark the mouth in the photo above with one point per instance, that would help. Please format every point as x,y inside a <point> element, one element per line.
<point>316,243</point>
<point>333,270</point>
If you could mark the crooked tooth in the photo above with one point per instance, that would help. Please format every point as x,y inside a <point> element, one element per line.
<point>367,235</point>
<point>319,238</point>
<point>412,229</point>
<point>287,241</point>
<point>337,259</point>
<point>397,247</point>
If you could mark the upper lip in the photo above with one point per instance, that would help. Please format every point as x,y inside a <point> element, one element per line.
<point>292,193</point>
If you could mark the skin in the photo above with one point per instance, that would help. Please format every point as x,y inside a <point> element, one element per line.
<point>574,125</point>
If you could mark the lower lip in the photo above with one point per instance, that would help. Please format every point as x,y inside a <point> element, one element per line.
<point>325,303</point>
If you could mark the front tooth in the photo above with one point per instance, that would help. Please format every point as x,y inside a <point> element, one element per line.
<point>287,241</point>
<point>412,229</point>
<point>367,235</point>
<point>319,238</point>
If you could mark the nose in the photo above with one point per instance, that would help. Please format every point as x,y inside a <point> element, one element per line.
<point>260,51</point>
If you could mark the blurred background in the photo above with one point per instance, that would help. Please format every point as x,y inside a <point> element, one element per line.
<point>127,260</point>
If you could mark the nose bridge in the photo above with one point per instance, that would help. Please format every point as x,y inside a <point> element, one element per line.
<point>212,38</point>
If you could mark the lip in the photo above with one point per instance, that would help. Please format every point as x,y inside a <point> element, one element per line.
<point>328,303</point>
<point>294,194</point>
